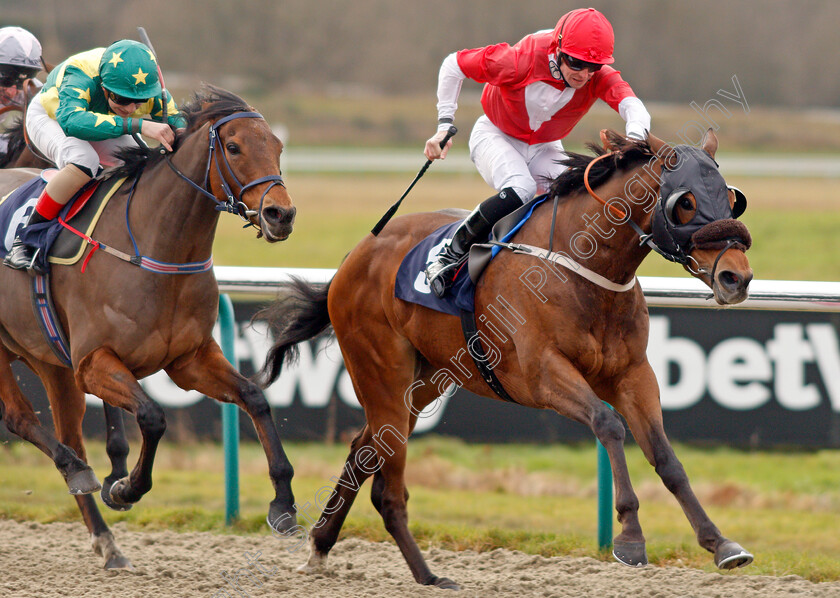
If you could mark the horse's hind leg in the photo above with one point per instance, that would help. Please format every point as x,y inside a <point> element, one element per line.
<point>383,393</point>
<point>103,374</point>
<point>22,421</point>
<point>638,402</point>
<point>210,373</point>
<point>68,409</point>
<point>360,464</point>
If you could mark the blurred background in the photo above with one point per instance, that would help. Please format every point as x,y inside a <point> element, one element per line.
<point>325,68</point>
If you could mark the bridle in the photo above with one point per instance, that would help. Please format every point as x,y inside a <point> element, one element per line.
<point>232,203</point>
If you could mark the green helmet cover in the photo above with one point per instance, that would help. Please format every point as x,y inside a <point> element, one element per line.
<point>129,69</point>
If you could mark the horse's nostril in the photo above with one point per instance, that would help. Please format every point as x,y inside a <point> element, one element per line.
<point>729,279</point>
<point>275,215</point>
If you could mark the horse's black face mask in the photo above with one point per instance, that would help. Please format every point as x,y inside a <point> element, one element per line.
<point>695,171</point>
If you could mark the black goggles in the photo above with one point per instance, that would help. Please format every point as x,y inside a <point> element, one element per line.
<point>12,79</point>
<point>576,64</point>
<point>122,101</point>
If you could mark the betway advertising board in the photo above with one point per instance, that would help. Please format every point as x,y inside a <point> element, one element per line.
<point>738,377</point>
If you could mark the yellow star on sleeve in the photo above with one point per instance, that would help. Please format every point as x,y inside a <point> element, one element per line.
<point>152,56</point>
<point>101,118</point>
<point>84,94</point>
<point>116,58</point>
<point>140,77</point>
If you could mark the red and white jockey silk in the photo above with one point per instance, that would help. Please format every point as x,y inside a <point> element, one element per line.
<point>523,98</point>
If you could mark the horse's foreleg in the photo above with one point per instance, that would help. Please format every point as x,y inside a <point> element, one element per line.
<point>638,401</point>
<point>561,387</point>
<point>116,446</point>
<point>210,373</point>
<point>21,420</point>
<point>103,374</point>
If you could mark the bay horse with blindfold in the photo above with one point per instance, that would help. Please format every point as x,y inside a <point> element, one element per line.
<point>572,343</point>
<point>125,320</point>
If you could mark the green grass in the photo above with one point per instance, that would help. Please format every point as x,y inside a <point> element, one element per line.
<point>793,222</point>
<point>784,507</point>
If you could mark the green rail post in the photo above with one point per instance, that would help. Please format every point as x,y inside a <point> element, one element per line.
<point>605,498</point>
<point>230,415</point>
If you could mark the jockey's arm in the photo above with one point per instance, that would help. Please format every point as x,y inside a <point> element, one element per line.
<point>450,79</point>
<point>636,117</point>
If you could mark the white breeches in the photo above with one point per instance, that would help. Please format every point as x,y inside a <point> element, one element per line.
<point>503,161</point>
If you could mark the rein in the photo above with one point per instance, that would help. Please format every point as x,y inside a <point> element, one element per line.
<point>233,205</point>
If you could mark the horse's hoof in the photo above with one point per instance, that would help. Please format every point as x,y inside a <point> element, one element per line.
<point>730,555</point>
<point>110,495</point>
<point>446,584</point>
<point>282,521</point>
<point>118,561</point>
<point>632,554</point>
<point>83,482</point>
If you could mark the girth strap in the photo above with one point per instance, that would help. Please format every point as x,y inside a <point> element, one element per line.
<point>48,320</point>
<point>476,351</point>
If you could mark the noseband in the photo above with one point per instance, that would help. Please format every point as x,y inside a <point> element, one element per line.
<point>233,203</point>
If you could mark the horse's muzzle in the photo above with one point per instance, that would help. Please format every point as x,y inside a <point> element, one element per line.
<point>277,222</point>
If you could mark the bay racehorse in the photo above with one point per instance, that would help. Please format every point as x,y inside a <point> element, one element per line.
<point>572,338</point>
<point>125,320</point>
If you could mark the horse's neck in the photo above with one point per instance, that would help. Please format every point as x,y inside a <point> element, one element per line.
<point>175,218</point>
<point>584,232</point>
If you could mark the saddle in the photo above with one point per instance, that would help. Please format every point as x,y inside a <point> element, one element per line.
<point>411,284</point>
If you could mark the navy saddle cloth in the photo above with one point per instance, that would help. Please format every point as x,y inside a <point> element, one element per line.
<point>14,212</point>
<point>411,284</point>
<point>15,209</point>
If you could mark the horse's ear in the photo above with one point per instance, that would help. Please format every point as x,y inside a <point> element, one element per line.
<point>663,150</point>
<point>605,140</point>
<point>710,142</point>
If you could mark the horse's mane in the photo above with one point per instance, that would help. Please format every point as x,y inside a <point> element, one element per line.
<point>630,153</point>
<point>14,135</point>
<point>208,103</point>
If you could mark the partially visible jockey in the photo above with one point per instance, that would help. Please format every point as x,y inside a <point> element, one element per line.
<point>20,60</point>
<point>87,110</point>
<point>535,92</point>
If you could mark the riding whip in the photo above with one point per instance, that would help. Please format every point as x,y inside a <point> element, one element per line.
<point>393,209</point>
<point>145,39</point>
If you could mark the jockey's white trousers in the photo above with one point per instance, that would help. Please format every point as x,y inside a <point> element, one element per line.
<point>504,161</point>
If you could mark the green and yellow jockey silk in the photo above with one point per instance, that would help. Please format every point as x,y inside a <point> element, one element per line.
<point>73,96</point>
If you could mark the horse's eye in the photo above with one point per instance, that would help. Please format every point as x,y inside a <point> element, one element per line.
<point>232,148</point>
<point>685,203</point>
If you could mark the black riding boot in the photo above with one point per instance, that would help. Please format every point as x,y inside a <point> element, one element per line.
<point>22,256</point>
<point>441,272</point>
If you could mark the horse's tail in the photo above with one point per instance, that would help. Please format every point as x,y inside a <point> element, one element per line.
<point>298,315</point>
